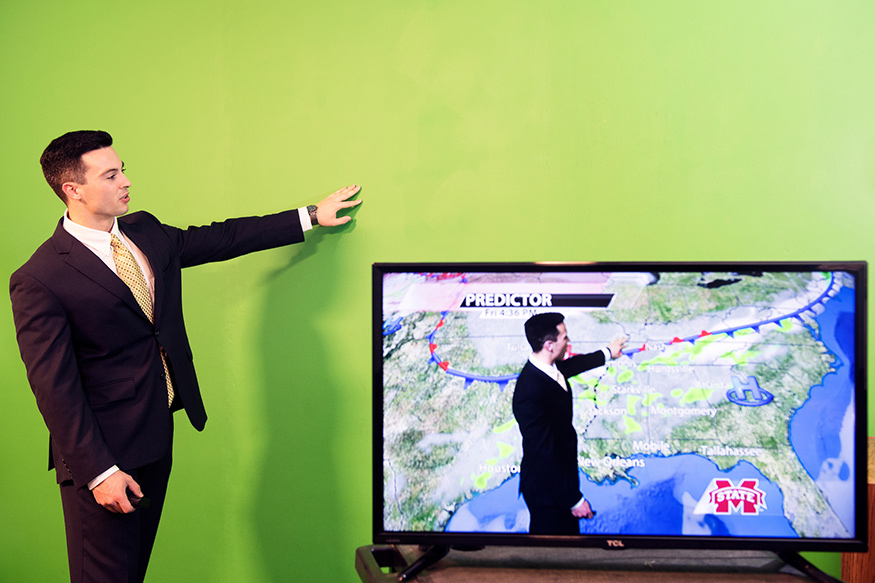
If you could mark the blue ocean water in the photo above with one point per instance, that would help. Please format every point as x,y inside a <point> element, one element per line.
<point>667,492</point>
<point>815,429</point>
<point>656,506</point>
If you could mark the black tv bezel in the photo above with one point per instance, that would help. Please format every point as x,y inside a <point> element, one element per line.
<point>859,543</point>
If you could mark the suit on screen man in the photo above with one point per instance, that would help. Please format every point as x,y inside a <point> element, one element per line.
<point>97,360</point>
<point>542,406</point>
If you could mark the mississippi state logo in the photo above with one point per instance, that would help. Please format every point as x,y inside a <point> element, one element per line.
<point>724,497</point>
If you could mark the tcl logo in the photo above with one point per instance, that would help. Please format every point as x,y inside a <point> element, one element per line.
<point>615,544</point>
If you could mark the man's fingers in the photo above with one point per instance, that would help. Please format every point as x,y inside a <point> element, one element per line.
<point>134,487</point>
<point>347,191</point>
<point>121,506</point>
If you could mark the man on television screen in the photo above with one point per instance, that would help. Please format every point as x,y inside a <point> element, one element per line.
<point>542,405</point>
<point>98,315</point>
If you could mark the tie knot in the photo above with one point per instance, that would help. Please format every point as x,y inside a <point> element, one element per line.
<point>116,244</point>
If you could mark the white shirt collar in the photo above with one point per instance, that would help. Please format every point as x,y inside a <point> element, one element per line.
<point>93,238</point>
<point>549,369</point>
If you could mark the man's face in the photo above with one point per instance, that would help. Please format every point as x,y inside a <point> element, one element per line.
<point>560,345</point>
<point>104,194</point>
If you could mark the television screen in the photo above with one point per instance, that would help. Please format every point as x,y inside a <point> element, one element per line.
<point>732,417</point>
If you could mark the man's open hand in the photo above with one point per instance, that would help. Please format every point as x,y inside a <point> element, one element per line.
<point>617,345</point>
<point>327,209</point>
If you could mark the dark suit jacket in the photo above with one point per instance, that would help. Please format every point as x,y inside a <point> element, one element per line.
<point>92,356</point>
<point>549,470</point>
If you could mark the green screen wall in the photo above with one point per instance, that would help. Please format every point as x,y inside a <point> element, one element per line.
<point>484,131</point>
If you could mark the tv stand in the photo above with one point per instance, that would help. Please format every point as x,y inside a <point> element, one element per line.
<point>443,564</point>
<point>431,556</point>
<point>799,562</point>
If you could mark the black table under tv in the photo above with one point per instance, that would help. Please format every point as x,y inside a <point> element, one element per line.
<point>382,563</point>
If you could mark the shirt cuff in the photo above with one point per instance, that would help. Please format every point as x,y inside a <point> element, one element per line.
<point>306,224</point>
<point>607,352</point>
<point>96,481</point>
<point>579,503</point>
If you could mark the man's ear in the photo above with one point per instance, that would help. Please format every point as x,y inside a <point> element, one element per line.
<point>70,190</point>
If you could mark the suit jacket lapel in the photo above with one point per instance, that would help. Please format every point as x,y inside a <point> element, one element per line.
<point>549,382</point>
<point>81,258</point>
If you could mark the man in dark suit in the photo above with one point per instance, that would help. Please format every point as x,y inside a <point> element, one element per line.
<point>542,405</point>
<point>98,316</point>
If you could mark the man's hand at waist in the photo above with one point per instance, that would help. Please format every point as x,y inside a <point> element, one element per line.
<point>582,510</point>
<point>112,493</point>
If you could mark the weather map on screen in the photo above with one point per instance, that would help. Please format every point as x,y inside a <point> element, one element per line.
<point>730,413</point>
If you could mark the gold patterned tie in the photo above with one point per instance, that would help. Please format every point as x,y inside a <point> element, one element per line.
<point>132,275</point>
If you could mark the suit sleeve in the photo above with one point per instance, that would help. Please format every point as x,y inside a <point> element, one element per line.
<point>232,238</point>
<point>581,363</point>
<point>45,341</point>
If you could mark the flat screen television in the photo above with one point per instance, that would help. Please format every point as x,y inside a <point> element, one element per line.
<point>734,417</point>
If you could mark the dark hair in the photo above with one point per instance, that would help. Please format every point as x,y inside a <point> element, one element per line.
<point>62,159</point>
<point>543,327</point>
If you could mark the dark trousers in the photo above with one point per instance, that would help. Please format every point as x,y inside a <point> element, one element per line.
<point>103,546</point>
<point>552,520</point>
